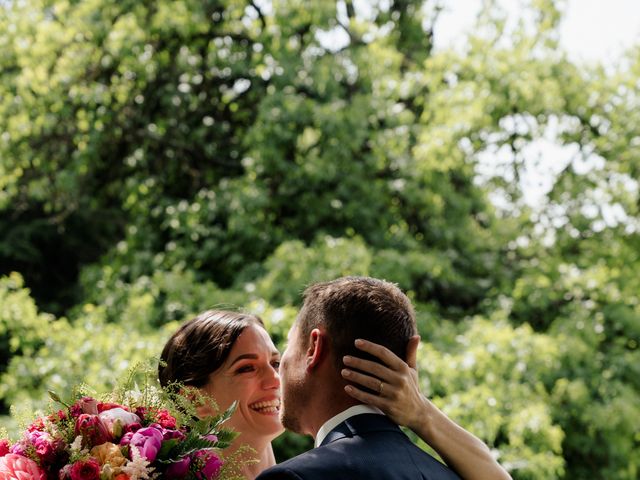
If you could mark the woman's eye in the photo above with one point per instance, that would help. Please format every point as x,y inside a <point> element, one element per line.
<point>276,364</point>
<point>245,369</point>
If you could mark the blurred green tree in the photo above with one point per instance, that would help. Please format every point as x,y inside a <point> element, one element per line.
<point>161,158</point>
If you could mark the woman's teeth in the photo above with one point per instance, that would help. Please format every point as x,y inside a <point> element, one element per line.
<point>272,406</point>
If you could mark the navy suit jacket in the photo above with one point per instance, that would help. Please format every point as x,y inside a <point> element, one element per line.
<point>364,447</point>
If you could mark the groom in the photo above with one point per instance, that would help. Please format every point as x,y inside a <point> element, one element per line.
<point>353,441</point>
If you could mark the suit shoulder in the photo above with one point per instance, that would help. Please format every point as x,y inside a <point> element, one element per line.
<point>308,465</point>
<point>285,471</point>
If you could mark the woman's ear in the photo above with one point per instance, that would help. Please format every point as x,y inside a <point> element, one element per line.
<point>204,405</point>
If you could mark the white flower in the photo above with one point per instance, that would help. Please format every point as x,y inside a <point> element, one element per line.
<point>77,443</point>
<point>76,446</point>
<point>136,468</point>
<point>115,419</point>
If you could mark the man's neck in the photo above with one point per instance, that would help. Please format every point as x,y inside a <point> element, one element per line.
<point>326,407</point>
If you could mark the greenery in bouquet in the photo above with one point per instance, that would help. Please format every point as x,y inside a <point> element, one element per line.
<point>129,435</point>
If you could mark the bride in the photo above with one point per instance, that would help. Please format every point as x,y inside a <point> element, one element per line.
<point>229,356</point>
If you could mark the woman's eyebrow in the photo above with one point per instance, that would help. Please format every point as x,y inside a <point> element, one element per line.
<point>244,356</point>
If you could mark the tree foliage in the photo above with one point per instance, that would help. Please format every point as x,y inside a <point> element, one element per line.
<point>161,158</point>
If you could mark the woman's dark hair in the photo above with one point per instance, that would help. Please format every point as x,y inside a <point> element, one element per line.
<point>200,347</point>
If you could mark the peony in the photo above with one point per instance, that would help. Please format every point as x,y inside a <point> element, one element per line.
<point>85,470</point>
<point>108,454</point>
<point>116,420</point>
<point>172,434</point>
<point>4,447</point>
<point>178,469</point>
<point>148,442</point>
<point>211,464</point>
<point>17,467</point>
<point>92,429</point>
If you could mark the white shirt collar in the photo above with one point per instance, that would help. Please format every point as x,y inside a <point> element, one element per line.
<point>333,422</point>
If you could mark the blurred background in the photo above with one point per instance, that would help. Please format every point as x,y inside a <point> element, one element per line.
<point>159,158</point>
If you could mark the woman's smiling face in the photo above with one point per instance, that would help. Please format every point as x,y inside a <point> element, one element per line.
<point>250,377</point>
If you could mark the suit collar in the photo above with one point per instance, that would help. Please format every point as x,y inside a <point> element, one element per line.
<point>336,420</point>
<point>360,424</point>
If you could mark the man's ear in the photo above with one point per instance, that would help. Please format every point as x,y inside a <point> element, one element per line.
<point>412,351</point>
<point>317,349</point>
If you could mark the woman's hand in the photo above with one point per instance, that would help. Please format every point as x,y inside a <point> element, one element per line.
<point>399,398</point>
<point>396,382</point>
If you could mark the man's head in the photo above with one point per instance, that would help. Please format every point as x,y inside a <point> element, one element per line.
<point>333,315</point>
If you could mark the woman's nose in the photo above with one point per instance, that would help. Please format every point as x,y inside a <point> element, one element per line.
<point>271,378</point>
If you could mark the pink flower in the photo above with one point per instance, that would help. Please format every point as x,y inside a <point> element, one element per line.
<point>117,419</point>
<point>168,434</point>
<point>212,438</point>
<point>17,467</point>
<point>211,464</point>
<point>178,469</point>
<point>148,442</point>
<point>132,427</point>
<point>85,470</point>
<point>4,447</point>
<point>126,439</point>
<point>92,430</point>
<point>44,445</point>
<point>19,448</point>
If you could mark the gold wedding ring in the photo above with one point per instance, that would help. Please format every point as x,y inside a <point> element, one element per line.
<point>380,388</point>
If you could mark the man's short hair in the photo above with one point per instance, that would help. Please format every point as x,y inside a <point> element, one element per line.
<point>358,307</point>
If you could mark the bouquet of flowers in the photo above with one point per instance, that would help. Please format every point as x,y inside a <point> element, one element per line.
<point>135,439</point>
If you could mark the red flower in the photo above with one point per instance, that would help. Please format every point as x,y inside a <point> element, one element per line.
<point>58,416</point>
<point>86,470</point>
<point>164,418</point>
<point>141,412</point>
<point>102,406</point>
<point>37,425</point>
<point>92,430</point>
<point>4,447</point>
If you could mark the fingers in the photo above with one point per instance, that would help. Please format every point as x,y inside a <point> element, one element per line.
<point>382,353</point>
<point>366,381</point>
<point>364,397</point>
<point>367,366</point>
<point>412,351</point>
